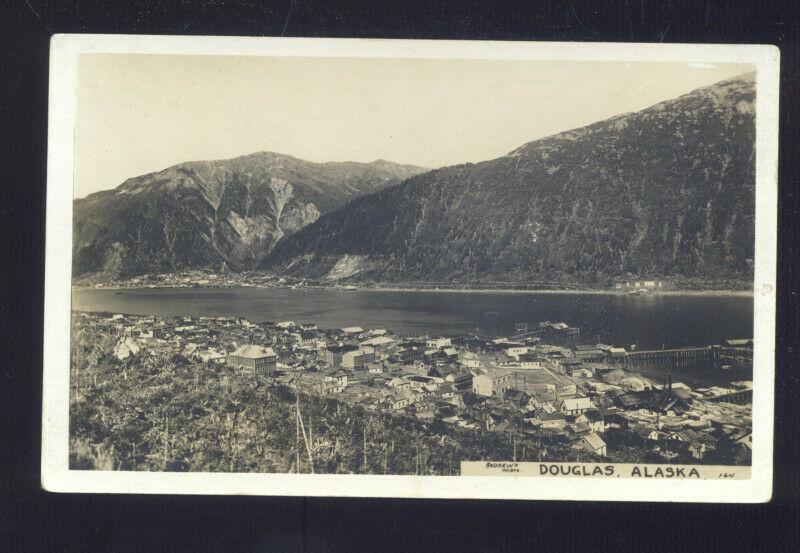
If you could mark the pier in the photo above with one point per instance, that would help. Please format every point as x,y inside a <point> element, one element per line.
<point>739,396</point>
<point>675,356</point>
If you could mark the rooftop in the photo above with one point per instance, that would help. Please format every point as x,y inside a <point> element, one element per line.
<point>252,351</point>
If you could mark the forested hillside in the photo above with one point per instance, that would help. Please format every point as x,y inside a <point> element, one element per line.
<point>668,191</point>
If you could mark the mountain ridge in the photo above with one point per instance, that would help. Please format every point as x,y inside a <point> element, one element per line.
<point>219,213</point>
<point>668,190</point>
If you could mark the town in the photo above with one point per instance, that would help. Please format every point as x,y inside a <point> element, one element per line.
<point>540,384</point>
<point>208,278</point>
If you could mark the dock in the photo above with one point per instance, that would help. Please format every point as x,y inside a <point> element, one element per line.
<point>674,356</point>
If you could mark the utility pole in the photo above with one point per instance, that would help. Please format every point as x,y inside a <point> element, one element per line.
<point>166,443</point>
<point>514,444</point>
<point>365,447</point>
<point>297,431</point>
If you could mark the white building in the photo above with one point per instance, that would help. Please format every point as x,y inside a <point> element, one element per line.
<point>575,406</point>
<point>437,343</point>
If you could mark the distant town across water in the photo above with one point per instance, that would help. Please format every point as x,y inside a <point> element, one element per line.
<point>646,322</point>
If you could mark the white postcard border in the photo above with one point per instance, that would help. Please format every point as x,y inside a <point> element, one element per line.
<point>64,53</point>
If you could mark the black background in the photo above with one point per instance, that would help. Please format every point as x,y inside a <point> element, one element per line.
<point>32,520</point>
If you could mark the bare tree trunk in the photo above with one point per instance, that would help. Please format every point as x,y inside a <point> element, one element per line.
<point>305,439</point>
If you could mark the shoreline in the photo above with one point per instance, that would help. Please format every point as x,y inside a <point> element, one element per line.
<point>539,291</point>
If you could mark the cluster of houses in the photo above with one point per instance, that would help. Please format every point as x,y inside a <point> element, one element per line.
<point>571,393</point>
<point>200,278</point>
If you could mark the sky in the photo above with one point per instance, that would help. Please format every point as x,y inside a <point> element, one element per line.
<point>142,113</point>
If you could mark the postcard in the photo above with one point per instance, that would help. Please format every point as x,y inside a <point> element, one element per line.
<point>391,268</point>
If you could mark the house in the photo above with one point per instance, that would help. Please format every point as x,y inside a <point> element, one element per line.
<point>698,450</point>
<point>595,420</point>
<point>578,428</point>
<point>553,421</point>
<point>336,380</point>
<point>125,348</point>
<point>253,358</point>
<point>450,354</point>
<point>575,406</point>
<point>418,381</point>
<point>350,330</point>
<point>594,444</point>
<point>374,367</point>
<point>469,360</point>
<point>517,397</point>
<point>398,401</point>
<point>211,356</point>
<point>461,381</point>
<point>399,383</point>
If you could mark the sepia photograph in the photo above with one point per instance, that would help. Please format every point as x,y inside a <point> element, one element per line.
<point>410,268</point>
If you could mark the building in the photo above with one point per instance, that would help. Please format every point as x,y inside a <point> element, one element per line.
<point>557,333</point>
<point>617,353</point>
<point>380,343</point>
<point>253,358</point>
<point>461,380</point>
<point>595,420</point>
<point>553,421</point>
<point>437,343</point>
<point>493,381</point>
<point>211,356</point>
<point>575,406</point>
<point>332,355</point>
<point>450,354</point>
<point>589,353</point>
<point>594,444</point>
<point>358,357</point>
<point>336,381</point>
<point>125,348</point>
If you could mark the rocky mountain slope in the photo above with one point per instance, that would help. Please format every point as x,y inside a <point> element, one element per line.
<point>227,213</point>
<point>667,191</point>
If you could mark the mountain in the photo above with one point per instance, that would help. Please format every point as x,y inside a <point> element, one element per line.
<point>666,191</point>
<point>210,213</point>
